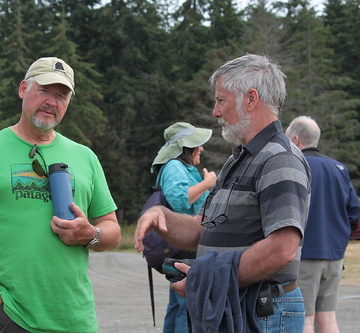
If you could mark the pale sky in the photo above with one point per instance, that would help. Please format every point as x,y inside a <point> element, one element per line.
<point>318,4</point>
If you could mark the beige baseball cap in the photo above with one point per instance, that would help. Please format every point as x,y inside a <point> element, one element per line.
<point>51,70</point>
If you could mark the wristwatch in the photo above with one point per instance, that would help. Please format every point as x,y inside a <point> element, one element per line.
<point>94,242</point>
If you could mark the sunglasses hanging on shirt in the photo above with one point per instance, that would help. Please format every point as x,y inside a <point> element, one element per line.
<point>36,166</point>
<point>223,217</point>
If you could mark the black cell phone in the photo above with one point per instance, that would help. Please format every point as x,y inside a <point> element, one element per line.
<point>171,273</point>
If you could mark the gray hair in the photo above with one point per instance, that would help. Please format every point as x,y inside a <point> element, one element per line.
<point>29,82</point>
<point>253,71</point>
<point>306,129</point>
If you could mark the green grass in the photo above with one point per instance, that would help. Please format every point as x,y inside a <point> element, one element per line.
<point>351,274</point>
<point>127,238</point>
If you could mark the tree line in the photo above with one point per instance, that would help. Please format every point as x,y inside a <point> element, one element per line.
<point>141,65</point>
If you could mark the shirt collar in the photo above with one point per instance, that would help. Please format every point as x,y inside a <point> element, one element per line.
<point>263,137</point>
<point>236,151</point>
<point>311,151</point>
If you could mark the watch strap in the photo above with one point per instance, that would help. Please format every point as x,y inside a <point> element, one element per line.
<point>96,240</point>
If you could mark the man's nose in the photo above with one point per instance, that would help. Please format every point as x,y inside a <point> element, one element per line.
<point>51,99</point>
<point>216,112</point>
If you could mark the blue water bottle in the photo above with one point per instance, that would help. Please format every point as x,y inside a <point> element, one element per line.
<point>61,192</point>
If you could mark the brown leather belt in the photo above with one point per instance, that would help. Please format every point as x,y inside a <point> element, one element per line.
<point>278,289</point>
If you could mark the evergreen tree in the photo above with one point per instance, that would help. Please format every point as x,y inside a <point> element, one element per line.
<point>13,57</point>
<point>315,85</point>
<point>263,31</point>
<point>141,65</point>
<point>137,98</point>
<point>84,121</point>
<point>226,24</point>
<point>342,18</point>
<point>191,34</point>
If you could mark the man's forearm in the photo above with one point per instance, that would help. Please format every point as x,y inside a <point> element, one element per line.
<point>183,230</point>
<point>268,256</point>
<point>110,232</point>
<point>110,236</point>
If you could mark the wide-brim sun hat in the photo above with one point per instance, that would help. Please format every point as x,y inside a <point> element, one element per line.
<point>178,136</point>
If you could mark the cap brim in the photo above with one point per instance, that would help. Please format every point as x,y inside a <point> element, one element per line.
<point>53,78</point>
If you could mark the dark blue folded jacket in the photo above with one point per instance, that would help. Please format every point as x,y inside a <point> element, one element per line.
<point>213,297</point>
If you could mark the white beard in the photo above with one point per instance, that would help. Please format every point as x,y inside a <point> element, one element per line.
<point>235,133</point>
<point>42,125</point>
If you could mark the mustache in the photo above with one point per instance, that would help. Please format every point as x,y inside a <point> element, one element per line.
<point>222,122</point>
<point>225,125</point>
<point>47,108</point>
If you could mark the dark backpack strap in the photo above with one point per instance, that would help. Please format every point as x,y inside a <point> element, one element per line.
<point>158,177</point>
<point>151,286</point>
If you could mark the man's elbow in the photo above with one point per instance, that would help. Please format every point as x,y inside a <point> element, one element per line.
<point>112,241</point>
<point>117,238</point>
<point>286,255</point>
<point>287,245</point>
<point>117,241</point>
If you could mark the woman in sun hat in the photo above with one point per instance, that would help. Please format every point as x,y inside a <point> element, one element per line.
<point>185,191</point>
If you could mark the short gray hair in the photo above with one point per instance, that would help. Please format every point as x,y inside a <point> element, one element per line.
<point>29,82</point>
<point>306,129</point>
<point>253,71</point>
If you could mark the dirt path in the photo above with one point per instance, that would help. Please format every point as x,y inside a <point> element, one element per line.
<point>123,303</point>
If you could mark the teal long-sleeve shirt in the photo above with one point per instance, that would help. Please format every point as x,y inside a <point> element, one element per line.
<point>175,180</point>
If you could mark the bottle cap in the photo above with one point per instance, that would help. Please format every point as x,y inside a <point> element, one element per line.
<point>57,167</point>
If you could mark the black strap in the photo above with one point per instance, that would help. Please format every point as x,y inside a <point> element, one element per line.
<point>151,286</point>
<point>162,168</point>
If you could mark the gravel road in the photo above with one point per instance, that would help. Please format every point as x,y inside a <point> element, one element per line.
<point>123,303</point>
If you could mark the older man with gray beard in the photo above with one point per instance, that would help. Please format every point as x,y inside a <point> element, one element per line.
<point>259,204</point>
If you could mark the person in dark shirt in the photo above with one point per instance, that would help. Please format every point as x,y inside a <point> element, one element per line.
<point>334,207</point>
<point>260,202</point>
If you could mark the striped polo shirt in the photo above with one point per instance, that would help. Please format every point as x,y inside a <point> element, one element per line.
<point>264,186</point>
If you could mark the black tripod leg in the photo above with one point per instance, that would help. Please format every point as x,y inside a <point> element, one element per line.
<point>151,286</point>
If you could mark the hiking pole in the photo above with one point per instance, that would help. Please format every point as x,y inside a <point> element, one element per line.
<point>151,293</point>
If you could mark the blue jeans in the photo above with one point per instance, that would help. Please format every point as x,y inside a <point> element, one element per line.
<point>289,314</point>
<point>176,315</point>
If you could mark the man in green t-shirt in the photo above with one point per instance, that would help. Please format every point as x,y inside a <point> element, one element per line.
<point>44,284</point>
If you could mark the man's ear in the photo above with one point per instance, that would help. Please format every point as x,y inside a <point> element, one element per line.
<point>295,140</point>
<point>252,98</point>
<point>22,88</point>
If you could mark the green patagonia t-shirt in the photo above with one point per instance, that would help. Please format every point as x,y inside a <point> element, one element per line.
<point>44,283</point>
